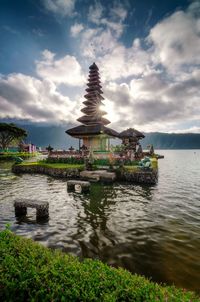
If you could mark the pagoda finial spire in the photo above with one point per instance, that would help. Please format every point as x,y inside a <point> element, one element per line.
<point>92,111</point>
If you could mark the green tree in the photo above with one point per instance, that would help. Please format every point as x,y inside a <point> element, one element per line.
<point>10,133</point>
<point>49,148</point>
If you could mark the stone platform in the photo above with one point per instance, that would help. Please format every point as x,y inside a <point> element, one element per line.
<point>98,175</point>
<point>83,185</point>
<point>21,205</point>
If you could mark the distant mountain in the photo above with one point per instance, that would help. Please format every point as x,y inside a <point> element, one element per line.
<point>42,136</point>
<point>172,140</point>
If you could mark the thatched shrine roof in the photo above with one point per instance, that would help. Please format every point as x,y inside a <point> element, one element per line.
<point>84,130</point>
<point>131,132</point>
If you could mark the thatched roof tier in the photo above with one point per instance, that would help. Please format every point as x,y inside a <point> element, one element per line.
<point>90,111</point>
<point>131,132</point>
<point>94,67</point>
<point>82,130</point>
<point>94,89</point>
<point>92,102</point>
<point>93,96</point>
<point>94,71</point>
<point>93,111</point>
<point>93,86</point>
<point>94,75</point>
<point>93,82</point>
<point>89,119</point>
<point>94,78</point>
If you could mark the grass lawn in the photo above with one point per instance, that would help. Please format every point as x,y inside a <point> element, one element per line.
<point>53,165</point>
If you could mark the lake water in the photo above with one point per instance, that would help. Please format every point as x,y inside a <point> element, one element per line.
<point>149,230</point>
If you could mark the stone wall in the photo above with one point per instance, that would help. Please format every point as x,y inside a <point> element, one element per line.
<point>56,172</point>
<point>144,177</point>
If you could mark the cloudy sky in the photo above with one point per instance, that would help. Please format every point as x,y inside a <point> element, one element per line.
<point>148,53</point>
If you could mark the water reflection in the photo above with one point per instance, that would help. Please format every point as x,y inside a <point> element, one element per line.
<point>5,172</point>
<point>24,219</point>
<point>96,207</point>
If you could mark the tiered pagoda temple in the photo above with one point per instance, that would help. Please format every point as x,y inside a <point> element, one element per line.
<point>93,131</point>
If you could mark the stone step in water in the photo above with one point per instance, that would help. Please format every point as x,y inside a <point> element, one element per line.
<point>80,185</point>
<point>21,205</point>
<point>98,175</point>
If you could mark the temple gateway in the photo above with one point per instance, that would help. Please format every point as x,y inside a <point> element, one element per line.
<point>93,131</point>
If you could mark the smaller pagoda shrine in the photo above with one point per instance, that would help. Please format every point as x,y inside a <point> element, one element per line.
<point>93,132</point>
<point>130,137</point>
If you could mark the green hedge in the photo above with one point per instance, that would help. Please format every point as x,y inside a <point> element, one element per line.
<point>96,162</point>
<point>67,160</point>
<point>101,162</point>
<point>31,272</point>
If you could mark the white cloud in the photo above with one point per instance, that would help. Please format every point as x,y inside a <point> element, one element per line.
<point>66,70</point>
<point>25,97</point>
<point>117,14</point>
<point>97,42</point>
<point>61,7</point>
<point>187,130</point>
<point>48,55</point>
<point>116,27</point>
<point>76,29</point>
<point>122,62</point>
<point>154,103</point>
<point>176,39</point>
<point>95,13</point>
<point>153,87</point>
<point>102,44</point>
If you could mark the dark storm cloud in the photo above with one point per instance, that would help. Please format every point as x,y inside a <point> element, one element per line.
<point>121,94</point>
<point>154,110</point>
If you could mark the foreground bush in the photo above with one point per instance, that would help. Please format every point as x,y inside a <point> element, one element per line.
<point>31,272</point>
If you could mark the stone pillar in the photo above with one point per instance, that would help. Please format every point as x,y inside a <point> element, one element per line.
<point>42,211</point>
<point>20,211</point>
